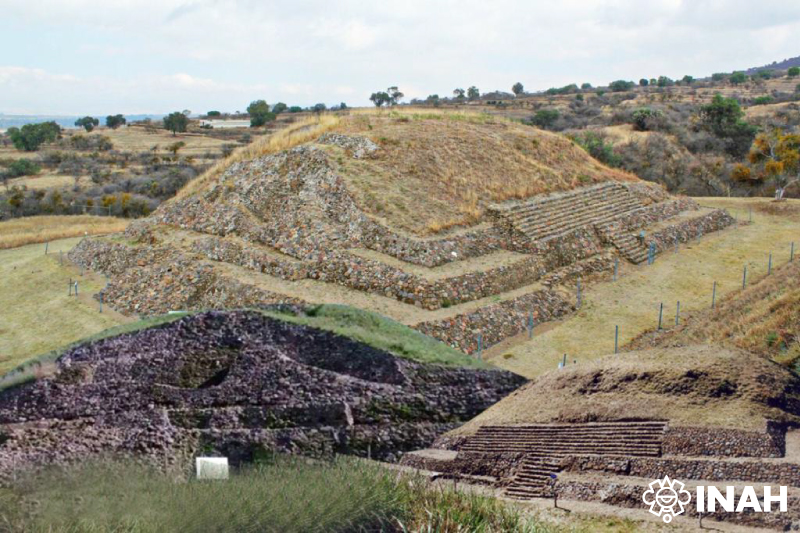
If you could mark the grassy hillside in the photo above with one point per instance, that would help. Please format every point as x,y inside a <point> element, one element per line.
<point>382,333</point>
<point>764,319</point>
<point>38,314</point>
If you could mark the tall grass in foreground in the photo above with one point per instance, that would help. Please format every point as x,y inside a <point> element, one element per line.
<point>287,496</point>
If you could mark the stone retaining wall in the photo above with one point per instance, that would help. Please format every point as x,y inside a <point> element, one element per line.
<point>690,229</point>
<point>498,321</point>
<point>694,441</point>
<point>683,469</point>
<point>651,214</point>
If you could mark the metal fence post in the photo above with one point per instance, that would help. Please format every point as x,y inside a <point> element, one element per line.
<point>769,265</point>
<point>530,324</point>
<point>579,294</point>
<point>714,296</point>
<point>744,277</point>
<point>46,246</point>
<point>616,268</point>
<point>678,313</point>
<point>480,345</point>
<point>660,314</point>
<point>616,339</point>
<point>791,253</point>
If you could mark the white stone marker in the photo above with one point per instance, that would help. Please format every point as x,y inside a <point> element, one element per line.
<point>212,467</point>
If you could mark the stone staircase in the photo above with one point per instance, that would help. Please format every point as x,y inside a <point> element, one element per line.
<point>629,246</point>
<point>543,447</point>
<point>560,214</point>
<point>642,439</point>
<point>533,479</point>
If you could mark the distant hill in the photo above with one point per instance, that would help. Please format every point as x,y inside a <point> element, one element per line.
<point>65,121</point>
<point>775,65</point>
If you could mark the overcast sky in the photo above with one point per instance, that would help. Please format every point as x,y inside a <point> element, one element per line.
<point>154,56</point>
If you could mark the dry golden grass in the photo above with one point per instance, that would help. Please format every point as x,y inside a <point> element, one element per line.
<point>440,169</point>
<point>436,169</point>
<point>764,319</point>
<point>48,181</point>
<point>29,230</point>
<point>139,139</point>
<point>36,313</point>
<point>295,134</point>
<point>730,388</point>
<point>632,302</point>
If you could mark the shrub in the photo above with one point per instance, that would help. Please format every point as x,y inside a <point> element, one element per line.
<point>737,77</point>
<point>741,173</point>
<point>31,136</point>
<point>793,72</point>
<point>762,100</point>
<point>620,86</point>
<point>176,122</point>
<point>115,121</point>
<point>597,146</point>
<point>544,118</point>
<point>645,119</point>
<point>22,167</point>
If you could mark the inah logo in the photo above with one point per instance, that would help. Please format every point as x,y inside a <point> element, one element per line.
<point>666,498</point>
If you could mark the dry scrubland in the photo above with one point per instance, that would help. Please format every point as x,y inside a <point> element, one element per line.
<point>36,313</point>
<point>632,302</point>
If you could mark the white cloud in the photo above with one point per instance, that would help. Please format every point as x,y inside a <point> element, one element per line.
<point>161,55</point>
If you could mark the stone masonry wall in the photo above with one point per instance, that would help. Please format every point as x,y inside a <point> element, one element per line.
<point>679,468</point>
<point>498,321</point>
<point>694,441</point>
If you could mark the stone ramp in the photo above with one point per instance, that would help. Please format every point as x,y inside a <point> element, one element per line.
<point>560,214</point>
<point>533,479</point>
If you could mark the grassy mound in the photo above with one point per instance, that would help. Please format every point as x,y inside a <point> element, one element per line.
<point>363,326</point>
<point>382,333</point>
<point>435,170</point>
<point>697,385</point>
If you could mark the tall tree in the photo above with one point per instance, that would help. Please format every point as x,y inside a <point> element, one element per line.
<point>517,89</point>
<point>380,98</point>
<point>473,93</point>
<point>394,95</point>
<point>778,155</point>
<point>260,113</point>
<point>115,121</point>
<point>31,136</point>
<point>87,123</point>
<point>459,94</point>
<point>176,122</point>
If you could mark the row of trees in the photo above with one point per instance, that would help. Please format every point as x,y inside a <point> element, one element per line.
<point>90,123</point>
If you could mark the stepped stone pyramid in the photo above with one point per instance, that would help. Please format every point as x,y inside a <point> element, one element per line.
<point>285,228</point>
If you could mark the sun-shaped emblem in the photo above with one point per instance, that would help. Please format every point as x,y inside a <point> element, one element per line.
<point>666,498</point>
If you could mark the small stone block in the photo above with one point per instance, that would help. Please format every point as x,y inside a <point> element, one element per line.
<point>212,467</point>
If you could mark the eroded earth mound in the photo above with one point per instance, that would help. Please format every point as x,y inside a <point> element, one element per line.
<point>237,383</point>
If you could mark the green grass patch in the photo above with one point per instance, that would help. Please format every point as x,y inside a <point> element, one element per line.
<point>382,333</point>
<point>285,495</point>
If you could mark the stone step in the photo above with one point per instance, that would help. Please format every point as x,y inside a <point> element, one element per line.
<point>584,215</point>
<point>566,197</point>
<point>553,211</point>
